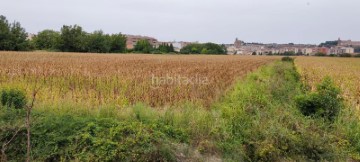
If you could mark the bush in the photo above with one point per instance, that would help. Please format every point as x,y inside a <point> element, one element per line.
<point>325,102</point>
<point>13,98</point>
<point>287,59</point>
<point>207,48</point>
<point>345,55</point>
<point>357,55</point>
<point>320,54</point>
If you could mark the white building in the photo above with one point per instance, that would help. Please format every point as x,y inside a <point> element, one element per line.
<point>341,50</point>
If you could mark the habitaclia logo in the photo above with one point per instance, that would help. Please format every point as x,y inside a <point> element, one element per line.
<point>178,80</point>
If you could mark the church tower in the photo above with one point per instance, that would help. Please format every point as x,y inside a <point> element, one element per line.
<point>237,43</point>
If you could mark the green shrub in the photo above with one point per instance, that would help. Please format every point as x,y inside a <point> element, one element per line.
<point>325,102</point>
<point>13,98</point>
<point>287,59</point>
<point>320,54</point>
<point>357,55</point>
<point>345,55</point>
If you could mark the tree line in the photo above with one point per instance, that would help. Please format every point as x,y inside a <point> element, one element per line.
<point>75,39</point>
<point>207,48</point>
<point>72,38</point>
<point>13,37</point>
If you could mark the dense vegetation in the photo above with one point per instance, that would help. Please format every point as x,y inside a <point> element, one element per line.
<point>165,48</point>
<point>207,48</point>
<point>12,36</point>
<point>258,120</point>
<point>329,44</point>
<point>70,39</point>
<point>74,39</point>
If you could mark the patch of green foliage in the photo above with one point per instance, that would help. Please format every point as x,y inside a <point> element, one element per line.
<point>264,123</point>
<point>75,39</point>
<point>165,48</point>
<point>320,54</point>
<point>325,102</point>
<point>287,59</point>
<point>13,36</point>
<point>57,137</point>
<point>143,46</point>
<point>13,98</point>
<point>329,44</point>
<point>207,48</point>
<point>288,53</point>
<point>345,55</point>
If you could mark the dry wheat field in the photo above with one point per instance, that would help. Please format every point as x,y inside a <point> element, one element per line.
<point>121,80</point>
<point>344,71</point>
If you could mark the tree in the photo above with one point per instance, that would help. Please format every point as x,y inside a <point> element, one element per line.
<point>329,44</point>
<point>98,42</point>
<point>118,43</point>
<point>47,39</point>
<point>171,48</point>
<point>18,37</point>
<point>289,53</point>
<point>4,33</point>
<point>207,48</point>
<point>165,48</point>
<point>72,39</point>
<point>12,36</point>
<point>143,46</point>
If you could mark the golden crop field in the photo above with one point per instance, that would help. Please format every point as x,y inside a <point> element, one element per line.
<point>121,80</point>
<point>344,71</point>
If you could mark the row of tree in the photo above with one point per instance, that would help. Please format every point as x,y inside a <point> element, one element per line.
<point>74,39</point>
<point>70,39</point>
<point>207,48</point>
<point>329,44</point>
<point>144,46</point>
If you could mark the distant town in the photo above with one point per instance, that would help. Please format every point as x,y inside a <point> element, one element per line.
<point>240,47</point>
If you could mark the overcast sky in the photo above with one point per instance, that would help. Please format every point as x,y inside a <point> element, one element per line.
<point>220,21</point>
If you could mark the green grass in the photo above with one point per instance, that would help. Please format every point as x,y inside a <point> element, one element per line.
<point>256,121</point>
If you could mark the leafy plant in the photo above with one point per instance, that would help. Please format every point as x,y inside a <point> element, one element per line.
<point>287,59</point>
<point>345,55</point>
<point>320,54</point>
<point>13,98</point>
<point>325,102</point>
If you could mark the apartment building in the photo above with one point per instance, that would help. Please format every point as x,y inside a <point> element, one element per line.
<point>131,40</point>
<point>341,50</point>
